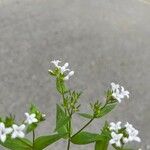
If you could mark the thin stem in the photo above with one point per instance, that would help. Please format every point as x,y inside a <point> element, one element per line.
<point>33,138</point>
<point>68,146</point>
<point>69,128</point>
<point>83,127</point>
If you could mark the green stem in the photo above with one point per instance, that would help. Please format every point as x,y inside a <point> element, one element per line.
<point>83,127</point>
<point>33,139</point>
<point>69,129</point>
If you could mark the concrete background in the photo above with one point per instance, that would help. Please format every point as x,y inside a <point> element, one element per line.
<point>104,41</point>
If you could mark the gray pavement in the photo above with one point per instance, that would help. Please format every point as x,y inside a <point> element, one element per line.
<point>104,41</point>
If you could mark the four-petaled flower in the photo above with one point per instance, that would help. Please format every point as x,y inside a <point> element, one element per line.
<point>119,92</point>
<point>124,93</point>
<point>56,62</point>
<point>116,139</point>
<point>115,126</point>
<point>114,87</point>
<point>132,133</point>
<point>18,131</point>
<point>30,118</point>
<point>62,69</point>
<point>4,131</point>
<point>118,96</point>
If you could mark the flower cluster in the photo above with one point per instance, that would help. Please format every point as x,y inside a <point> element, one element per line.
<point>122,135</point>
<point>115,134</point>
<point>16,130</point>
<point>118,92</point>
<point>63,69</point>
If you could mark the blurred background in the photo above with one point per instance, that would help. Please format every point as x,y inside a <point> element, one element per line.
<point>103,40</point>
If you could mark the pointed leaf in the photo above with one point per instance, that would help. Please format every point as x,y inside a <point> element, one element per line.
<point>86,115</point>
<point>107,109</point>
<point>86,138</point>
<point>17,144</point>
<point>44,141</point>
<point>61,121</point>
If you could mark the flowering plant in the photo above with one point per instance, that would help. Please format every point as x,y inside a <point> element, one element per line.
<point>12,134</point>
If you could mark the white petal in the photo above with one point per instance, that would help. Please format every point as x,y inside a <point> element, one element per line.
<point>34,120</point>
<point>112,141</point>
<point>27,114</point>
<point>3,137</point>
<point>71,73</point>
<point>2,125</point>
<point>113,134</point>
<point>112,124</point>
<point>22,127</point>
<point>21,134</point>
<point>8,130</point>
<point>119,123</point>
<point>119,100</point>
<point>14,135</point>
<point>66,77</point>
<point>32,115</point>
<point>118,144</point>
<point>15,126</point>
<point>137,139</point>
<point>50,71</point>
<point>120,136</point>
<point>29,121</point>
<point>66,64</point>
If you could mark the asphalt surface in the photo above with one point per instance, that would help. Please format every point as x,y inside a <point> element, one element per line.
<point>103,40</point>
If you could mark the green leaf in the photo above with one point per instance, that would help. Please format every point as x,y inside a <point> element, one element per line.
<point>89,116</point>
<point>17,144</point>
<point>107,109</point>
<point>86,138</point>
<point>101,145</point>
<point>44,141</point>
<point>60,85</point>
<point>61,121</point>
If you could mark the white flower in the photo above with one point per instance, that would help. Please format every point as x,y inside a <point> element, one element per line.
<point>30,118</point>
<point>18,131</point>
<point>4,131</point>
<point>119,92</point>
<point>116,139</point>
<point>124,93</point>
<point>132,133</point>
<point>71,73</point>
<point>56,62</point>
<point>118,96</point>
<point>115,126</point>
<point>64,68</point>
<point>128,126</point>
<point>43,115</point>
<point>114,87</point>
